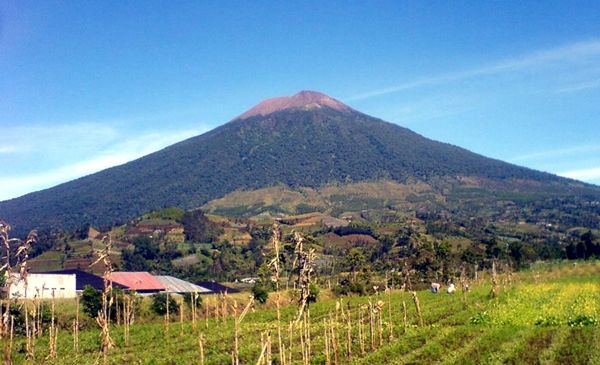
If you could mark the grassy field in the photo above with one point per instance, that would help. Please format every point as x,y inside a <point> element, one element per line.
<point>548,315</point>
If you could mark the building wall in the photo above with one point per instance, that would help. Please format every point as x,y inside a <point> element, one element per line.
<point>42,285</point>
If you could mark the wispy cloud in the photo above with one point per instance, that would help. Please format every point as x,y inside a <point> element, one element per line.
<point>560,152</point>
<point>7,149</point>
<point>575,52</point>
<point>586,85</point>
<point>123,149</point>
<point>591,174</point>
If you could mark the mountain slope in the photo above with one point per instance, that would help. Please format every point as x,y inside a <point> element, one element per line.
<point>306,140</point>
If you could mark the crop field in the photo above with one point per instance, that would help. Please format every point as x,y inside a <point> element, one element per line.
<point>547,315</point>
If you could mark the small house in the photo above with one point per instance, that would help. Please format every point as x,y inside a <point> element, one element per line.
<point>83,279</point>
<point>43,286</point>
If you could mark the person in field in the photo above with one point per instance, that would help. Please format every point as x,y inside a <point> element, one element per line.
<point>435,287</point>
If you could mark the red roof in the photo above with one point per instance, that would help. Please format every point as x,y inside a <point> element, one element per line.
<point>141,280</point>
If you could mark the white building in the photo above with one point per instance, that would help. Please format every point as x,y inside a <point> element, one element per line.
<point>43,285</point>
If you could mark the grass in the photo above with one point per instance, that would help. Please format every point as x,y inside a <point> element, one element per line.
<point>506,330</point>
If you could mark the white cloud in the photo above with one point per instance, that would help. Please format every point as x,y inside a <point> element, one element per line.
<point>8,149</point>
<point>124,150</point>
<point>560,152</point>
<point>590,174</point>
<point>572,53</point>
<point>586,85</point>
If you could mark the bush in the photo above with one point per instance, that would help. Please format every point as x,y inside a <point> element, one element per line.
<point>260,293</point>
<point>91,301</point>
<point>347,287</point>
<point>583,320</point>
<point>313,294</point>
<point>187,299</point>
<point>159,304</point>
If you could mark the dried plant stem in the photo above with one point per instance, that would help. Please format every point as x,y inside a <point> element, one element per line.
<point>326,345</point>
<point>76,327</point>
<point>391,323</point>
<point>167,318</point>
<point>201,347</point>
<point>275,266</point>
<point>371,325</point>
<point>194,310</point>
<point>181,317</point>
<point>334,341</point>
<point>237,322</point>
<point>53,332</point>
<point>361,331</point>
<point>404,316</point>
<point>418,307</point>
<point>206,316</point>
<point>291,339</point>
<point>349,336</point>
<point>380,325</point>
<point>103,318</point>
<point>263,353</point>
<point>494,292</point>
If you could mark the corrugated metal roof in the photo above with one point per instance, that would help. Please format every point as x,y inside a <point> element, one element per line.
<point>175,285</point>
<point>140,280</point>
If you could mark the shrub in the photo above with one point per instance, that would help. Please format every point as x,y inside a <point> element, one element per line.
<point>348,287</point>
<point>91,301</point>
<point>260,293</point>
<point>313,295</point>
<point>187,299</point>
<point>481,318</point>
<point>583,320</point>
<point>159,304</point>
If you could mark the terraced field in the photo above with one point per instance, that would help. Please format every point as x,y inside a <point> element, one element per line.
<point>545,316</point>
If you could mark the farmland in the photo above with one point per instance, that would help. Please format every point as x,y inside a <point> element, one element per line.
<point>548,314</point>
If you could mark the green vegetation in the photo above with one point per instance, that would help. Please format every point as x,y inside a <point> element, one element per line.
<point>474,330</point>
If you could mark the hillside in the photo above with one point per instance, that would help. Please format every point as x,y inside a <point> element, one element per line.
<point>304,141</point>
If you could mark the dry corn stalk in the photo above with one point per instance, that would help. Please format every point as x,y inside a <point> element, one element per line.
<point>417,307</point>
<point>391,323</point>
<point>275,266</point>
<point>494,292</point>
<point>236,327</point>
<point>103,318</point>
<point>404,316</point>
<point>76,327</point>
<point>22,255</point>
<point>349,336</point>
<point>361,330</point>
<point>304,260</point>
<point>371,324</point>
<point>128,315</point>
<point>326,341</point>
<point>53,335</point>
<point>201,347</point>
<point>379,311</point>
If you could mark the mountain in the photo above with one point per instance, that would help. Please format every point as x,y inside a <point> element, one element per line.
<point>307,140</point>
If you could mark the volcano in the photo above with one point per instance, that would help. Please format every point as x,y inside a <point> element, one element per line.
<point>306,140</point>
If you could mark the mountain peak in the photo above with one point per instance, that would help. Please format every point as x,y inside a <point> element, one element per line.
<point>303,100</point>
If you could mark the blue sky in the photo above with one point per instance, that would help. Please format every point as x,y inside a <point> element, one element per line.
<point>85,85</point>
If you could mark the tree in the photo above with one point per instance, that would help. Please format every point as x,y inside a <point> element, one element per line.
<point>260,293</point>
<point>355,260</point>
<point>91,301</point>
<point>198,228</point>
<point>159,304</point>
